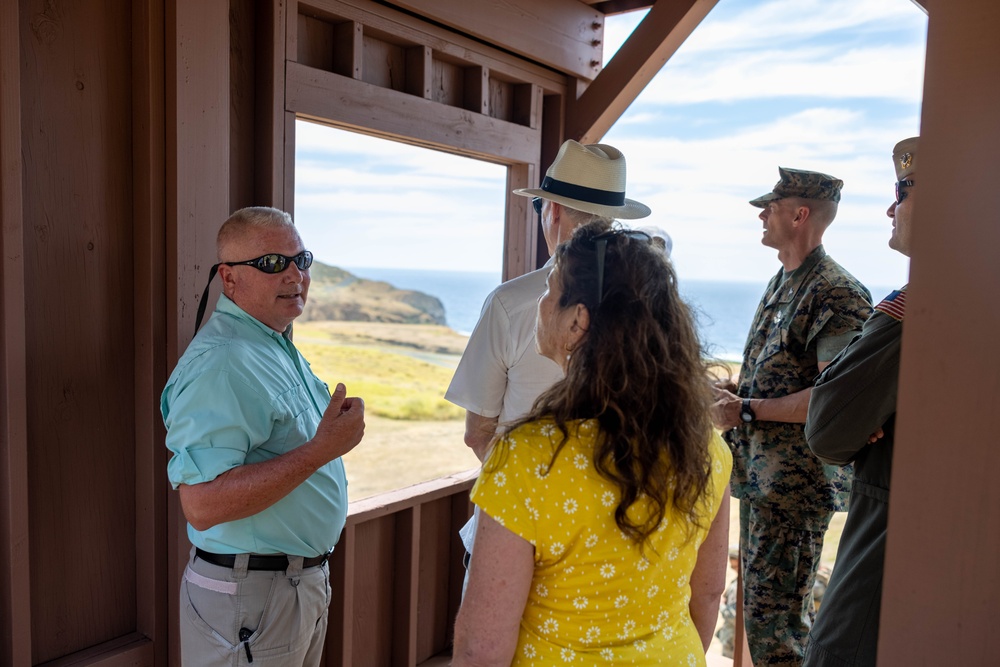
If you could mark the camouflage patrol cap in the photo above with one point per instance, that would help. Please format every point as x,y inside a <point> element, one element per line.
<point>804,184</point>
<point>904,157</point>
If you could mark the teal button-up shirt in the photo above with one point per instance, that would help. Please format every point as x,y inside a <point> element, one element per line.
<point>241,393</point>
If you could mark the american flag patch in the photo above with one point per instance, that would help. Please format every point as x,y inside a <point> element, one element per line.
<point>893,305</point>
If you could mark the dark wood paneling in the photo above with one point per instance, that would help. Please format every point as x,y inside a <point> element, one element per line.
<point>243,54</point>
<point>77,119</point>
<point>374,586</point>
<point>437,558</point>
<point>15,592</point>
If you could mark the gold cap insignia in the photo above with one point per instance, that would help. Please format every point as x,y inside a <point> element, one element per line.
<point>905,160</point>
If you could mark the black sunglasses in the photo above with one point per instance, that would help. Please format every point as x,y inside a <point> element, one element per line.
<point>536,203</point>
<point>275,263</point>
<point>900,192</point>
<point>601,243</point>
<point>270,263</point>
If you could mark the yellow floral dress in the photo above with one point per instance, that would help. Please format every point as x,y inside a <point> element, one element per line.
<point>595,598</point>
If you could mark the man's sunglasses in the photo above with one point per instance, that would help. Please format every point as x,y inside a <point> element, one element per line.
<point>601,243</point>
<point>270,263</point>
<point>901,193</point>
<point>536,203</point>
<point>275,263</point>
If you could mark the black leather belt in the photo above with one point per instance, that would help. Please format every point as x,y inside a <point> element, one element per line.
<point>273,563</point>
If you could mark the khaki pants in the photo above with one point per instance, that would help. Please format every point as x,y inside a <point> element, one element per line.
<point>280,617</point>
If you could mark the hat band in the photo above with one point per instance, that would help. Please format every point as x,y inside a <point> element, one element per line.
<point>583,193</point>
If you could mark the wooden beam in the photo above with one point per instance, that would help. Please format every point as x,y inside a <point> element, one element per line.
<point>356,105</point>
<point>409,30</point>
<point>611,7</point>
<point>563,34</point>
<point>15,591</point>
<point>939,594</point>
<point>269,119</point>
<point>639,59</point>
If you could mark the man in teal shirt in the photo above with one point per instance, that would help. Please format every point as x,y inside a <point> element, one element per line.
<point>256,441</point>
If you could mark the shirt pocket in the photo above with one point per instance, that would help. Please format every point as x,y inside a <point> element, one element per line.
<point>297,419</point>
<point>776,341</point>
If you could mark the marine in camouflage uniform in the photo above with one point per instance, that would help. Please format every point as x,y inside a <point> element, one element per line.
<point>810,310</point>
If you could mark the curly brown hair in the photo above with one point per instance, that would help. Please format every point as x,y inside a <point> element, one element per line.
<point>639,372</point>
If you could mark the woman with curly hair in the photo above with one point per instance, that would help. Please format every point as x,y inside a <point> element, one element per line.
<point>604,512</point>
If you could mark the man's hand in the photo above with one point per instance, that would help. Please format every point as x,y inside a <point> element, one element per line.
<point>343,424</point>
<point>876,436</point>
<point>726,409</point>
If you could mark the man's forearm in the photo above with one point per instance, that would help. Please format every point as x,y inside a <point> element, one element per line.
<point>479,433</point>
<point>790,409</point>
<point>247,489</point>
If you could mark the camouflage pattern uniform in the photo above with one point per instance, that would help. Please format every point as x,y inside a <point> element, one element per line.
<point>787,495</point>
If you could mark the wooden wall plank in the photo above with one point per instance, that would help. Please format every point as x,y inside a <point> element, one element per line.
<point>639,59</point>
<point>149,303</point>
<point>562,34</point>
<point>77,121</point>
<point>339,648</point>
<point>437,559</point>
<point>197,196</point>
<point>326,97</point>
<point>409,526</point>
<point>15,567</point>
<point>348,43</point>
<point>476,89</point>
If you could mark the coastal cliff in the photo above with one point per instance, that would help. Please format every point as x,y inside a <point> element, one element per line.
<point>336,294</point>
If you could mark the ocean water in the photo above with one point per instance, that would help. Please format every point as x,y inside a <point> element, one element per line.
<point>723,310</point>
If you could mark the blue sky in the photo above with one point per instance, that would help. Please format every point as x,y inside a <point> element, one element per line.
<point>828,86</point>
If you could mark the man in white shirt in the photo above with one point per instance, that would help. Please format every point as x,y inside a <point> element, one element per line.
<point>501,373</point>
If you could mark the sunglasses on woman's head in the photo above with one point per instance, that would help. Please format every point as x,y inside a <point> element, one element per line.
<point>601,243</point>
<point>275,263</point>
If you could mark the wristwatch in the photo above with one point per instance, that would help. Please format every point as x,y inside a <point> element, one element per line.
<point>746,412</point>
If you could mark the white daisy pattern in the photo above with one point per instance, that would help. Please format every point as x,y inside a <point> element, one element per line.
<point>653,591</point>
<point>580,602</point>
<point>549,626</point>
<point>642,565</point>
<point>627,630</point>
<point>581,462</point>
<point>529,651</point>
<point>567,655</point>
<point>500,479</point>
<point>607,570</point>
<point>607,498</point>
<point>607,654</point>
<point>593,634</point>
<point>570,506</point>
<point>558,548</point>
<point>541,590</point>
<point>682,581</point>
<point>591,541</point>
<point>673,554</point>
<point>548,430</point>
<point>621,601</point>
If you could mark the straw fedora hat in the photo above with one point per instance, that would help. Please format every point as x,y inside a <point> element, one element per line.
<point>590,179</point>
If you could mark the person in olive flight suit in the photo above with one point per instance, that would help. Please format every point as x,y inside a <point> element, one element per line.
<point>852,417</point>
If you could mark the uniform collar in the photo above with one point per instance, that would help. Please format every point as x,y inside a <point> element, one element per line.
<point>788,286</point>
